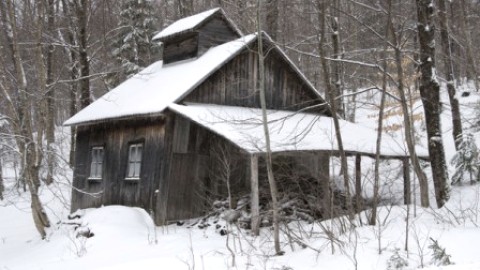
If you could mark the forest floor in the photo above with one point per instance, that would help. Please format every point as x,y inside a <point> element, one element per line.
<point>125,238</point>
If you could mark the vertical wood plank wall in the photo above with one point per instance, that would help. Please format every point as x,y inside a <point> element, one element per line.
<point>113,188</point>
<point>213,33</point>
<point>235,84</point>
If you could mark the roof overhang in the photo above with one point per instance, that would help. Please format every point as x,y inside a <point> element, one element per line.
<point>290,131</point>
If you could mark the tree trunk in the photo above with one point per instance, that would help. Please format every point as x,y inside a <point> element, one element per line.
<point>430,94</point>
<point>81,8</point>
<point>376,182</point>
<point>272,18</point>
<point>358,183</point>
<point>268,152</point>
<point>472,70</point>
<point>41,106</point>
<point>184,8</point>
<point>72,56</point>
<point>448,64</point>
<point>254,203</point>
<point>407,193</point>
<point>337,65</point>
<point>2,186</point>
<point>29,151</point>
<point>50,95</point>
<point>408,123</point>
<point>321,6</point>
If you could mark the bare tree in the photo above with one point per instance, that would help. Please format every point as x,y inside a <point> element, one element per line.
<point>224,168</point>
<point>22,106</point>
<point>72,56</point>
<point>322,17</point>
<point>2,186</point>
<point>457,130</point>
<point>271,11</point>
<point>49,11</point>
<point>430,94</point>
<point>81,9</point>
<point>376,182</point>
<point>184,8</point>
<point>336,65</point>
<point>268,152</point>
<point>397,40</point>
<point>471,67</point>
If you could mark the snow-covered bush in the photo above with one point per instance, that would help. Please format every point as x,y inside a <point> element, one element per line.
<point>466,160</point>
<point>396,261</point>
<point>439,256</point>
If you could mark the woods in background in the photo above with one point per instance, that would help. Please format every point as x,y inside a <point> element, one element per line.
<point>56,56</point>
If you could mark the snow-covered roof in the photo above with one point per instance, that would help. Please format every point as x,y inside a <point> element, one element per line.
<point>289,131</point>
<point>157,86</point>
<point>150,91</point>
<point>191,23</point>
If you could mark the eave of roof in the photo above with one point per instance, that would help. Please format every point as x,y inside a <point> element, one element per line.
<point>289,131</point>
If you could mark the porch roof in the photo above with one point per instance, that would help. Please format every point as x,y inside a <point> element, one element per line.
<point>290,131</point>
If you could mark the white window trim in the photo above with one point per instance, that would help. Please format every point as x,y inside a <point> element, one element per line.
<point>90,177</point>
<point>130,146</point>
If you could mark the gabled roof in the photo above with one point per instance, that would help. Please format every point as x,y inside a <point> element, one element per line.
<point>289,131</point>
<point>149,92</point>
<point>192,23</point>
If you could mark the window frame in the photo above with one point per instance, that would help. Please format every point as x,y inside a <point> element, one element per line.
<point>135,160</point>
<point>97,164</point>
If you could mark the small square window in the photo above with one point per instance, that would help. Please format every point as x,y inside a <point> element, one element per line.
<point>96,164</point>
<point>134,161</point>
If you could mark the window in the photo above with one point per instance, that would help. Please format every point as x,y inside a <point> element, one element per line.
<point>134,161</point>
<point>96,165</point>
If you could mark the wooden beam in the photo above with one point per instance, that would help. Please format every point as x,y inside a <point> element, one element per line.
<point>406,182</point>
<point>358,182</point>
<point>255,207</point>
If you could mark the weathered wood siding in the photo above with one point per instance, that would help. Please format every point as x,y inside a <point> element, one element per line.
<point>214,32</point>
<point>179,198</point>
<point>113,188</point>
<point>235,84</point>
<point>195,43</point>
<point>181,48</point>
<point>191,171</point>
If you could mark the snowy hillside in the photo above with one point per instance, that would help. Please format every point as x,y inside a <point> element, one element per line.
<point>117,237</point>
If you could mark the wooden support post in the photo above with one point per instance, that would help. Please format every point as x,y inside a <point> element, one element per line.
<point>406,182</point>
<point>255,208</point>
<point>358,182</point>
<point>321,173</point>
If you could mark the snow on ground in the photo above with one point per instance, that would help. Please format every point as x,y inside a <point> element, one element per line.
<point>125,238</point>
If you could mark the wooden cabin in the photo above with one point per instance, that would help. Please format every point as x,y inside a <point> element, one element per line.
<point>154,141</point>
